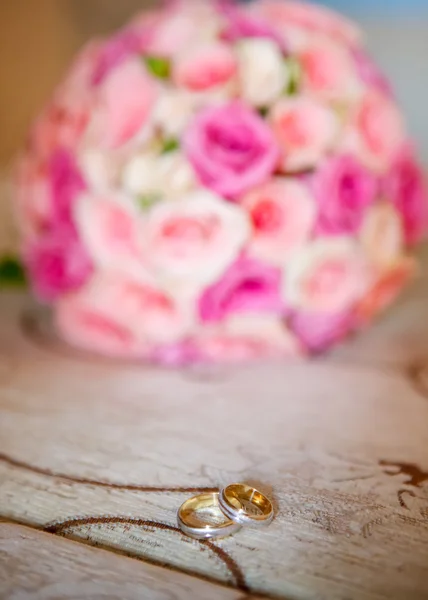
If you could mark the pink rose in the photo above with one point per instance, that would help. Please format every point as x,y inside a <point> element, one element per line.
<point>385,289</point>
<point>120,316</point>
<point>213,66</point>
<point>318,331</point>
<point>345,189</point>
<point>405,186</point>
<point>247,286</point>
<point>191,241</point>
<point>377,131</point>
<point>328,71</point>
<point>56,259</point>
<point>57,263</point>
<point>313,18</point>
<point>242,24</point>
<point>114,52</point>
<point>246,338</point>
<point>127,97</point>
<point>283,214</point>
<point>231,148</point>
<point>328,275</point>
<point>305,130</point>
<point>66,184</point>
<point>110,228</point>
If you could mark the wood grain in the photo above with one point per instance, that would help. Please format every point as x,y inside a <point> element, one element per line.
<point>104,453</point>
<point>35,565</point>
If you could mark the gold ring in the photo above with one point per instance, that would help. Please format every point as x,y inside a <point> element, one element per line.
<point>245,505</point>
<point>201,517</point>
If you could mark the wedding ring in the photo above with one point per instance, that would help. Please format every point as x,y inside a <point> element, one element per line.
<point>245,505</point>
<point>201,517</point>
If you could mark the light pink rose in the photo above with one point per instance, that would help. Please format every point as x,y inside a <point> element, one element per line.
<point>382,235</point>
<point>126,99</point>
<point>247,338</point>
<point>117,315</point>
<point>328,275</point>
<point>305,129</point>
<point>314,19</point>
<point>191,241</point>
<point>377,131</point>
<point>319,331</point>
<point>214,66</point>
<point>110,227</point>
<point>385,289</point>
<point>406,187</point>
<point>65,119</point>
<point>86,327</point>
<point>59,126</point>
<point>57,263</point>
<point>247,286</point>
<point>283,214</point>
<point>33,205</point>
<point>231,148</point>
<point>183,24</point>
<point>344,189</point>
<point>370,73</point>
<point>328,71</point>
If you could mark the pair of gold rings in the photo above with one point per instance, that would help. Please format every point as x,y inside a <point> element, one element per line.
<point>219,514</point>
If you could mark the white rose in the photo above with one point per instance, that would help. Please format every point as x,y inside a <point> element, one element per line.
<point>166,176</point>
<point>262,70</point>
<point>174,111</point>
<point>98,169</point>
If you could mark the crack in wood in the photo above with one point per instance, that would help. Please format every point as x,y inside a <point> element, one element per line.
<point>106,484</point>
<point>60,527</point>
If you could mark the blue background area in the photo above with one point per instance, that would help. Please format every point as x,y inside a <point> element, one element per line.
<point>380,7</point>
<point>397,36</point>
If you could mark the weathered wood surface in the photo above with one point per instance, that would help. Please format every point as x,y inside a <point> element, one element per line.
<point>105,453</point>
<point>36,566</point>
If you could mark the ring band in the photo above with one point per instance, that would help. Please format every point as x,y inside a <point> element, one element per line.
<point>201,517</point>
<point>245,505</point>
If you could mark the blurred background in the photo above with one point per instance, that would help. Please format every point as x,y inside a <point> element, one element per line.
<point>39,37</point>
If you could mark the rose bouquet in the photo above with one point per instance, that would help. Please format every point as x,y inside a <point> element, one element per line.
<point>220,183</point>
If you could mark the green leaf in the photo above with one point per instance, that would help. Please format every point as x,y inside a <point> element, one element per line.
<point>263,112</point>
<point>295,76</point>
<point>148,200</point>
<point>159,67</point>
<point>11,273</point>
<point>170,145</point>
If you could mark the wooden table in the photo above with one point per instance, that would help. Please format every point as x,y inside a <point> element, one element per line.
<point>104,453</point>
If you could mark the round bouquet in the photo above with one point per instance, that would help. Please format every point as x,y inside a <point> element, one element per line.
<point>219,182</point>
